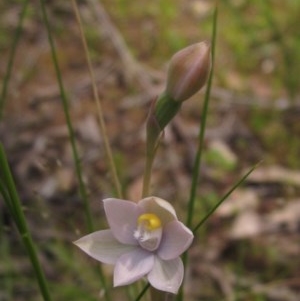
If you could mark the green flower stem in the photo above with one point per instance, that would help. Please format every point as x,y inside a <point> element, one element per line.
<point>11,197</point>
<point>161,113</point>
<point>147,175</point>
<point>12,56</point>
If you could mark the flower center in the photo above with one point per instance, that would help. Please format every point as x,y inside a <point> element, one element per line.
<point>149,231</point>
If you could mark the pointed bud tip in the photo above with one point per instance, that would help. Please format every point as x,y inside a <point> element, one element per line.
<point>188,71</point>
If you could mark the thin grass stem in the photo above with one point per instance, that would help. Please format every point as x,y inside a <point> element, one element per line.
<point>6,198</point>
<point>82,188</point>
<point>103,130</point>
<point>226,195</point>
<point>12,55</point>
<point>13,201</point>
<point>197,163</point>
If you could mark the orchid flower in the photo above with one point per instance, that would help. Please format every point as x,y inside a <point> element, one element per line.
<point>145,239</point>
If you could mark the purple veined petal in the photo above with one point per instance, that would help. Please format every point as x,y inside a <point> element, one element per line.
<point>163,209</point>
<point>122,218</point>
<point>176,239</point>
<point>167,275</point>
<point>103,246</point>
<point>132,266</point>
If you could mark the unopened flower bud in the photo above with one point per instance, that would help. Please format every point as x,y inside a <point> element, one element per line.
<point>188,71</point>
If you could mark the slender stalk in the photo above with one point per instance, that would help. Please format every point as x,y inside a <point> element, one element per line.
<point>147,174</point>
<point>142,293</point>
<point>154,131</point>
<point>198,157</point>
<point>13,202</point>
<point>154,134</point>
<point>151,147</point>
<point>98,104</point>
<point>82,188</point>
<point>12,54</point>
<point>197,163</point>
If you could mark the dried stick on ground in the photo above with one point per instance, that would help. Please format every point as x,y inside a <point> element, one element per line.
<point>134,71</point>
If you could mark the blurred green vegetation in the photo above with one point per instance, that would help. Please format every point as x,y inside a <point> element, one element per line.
<point>258,49</point>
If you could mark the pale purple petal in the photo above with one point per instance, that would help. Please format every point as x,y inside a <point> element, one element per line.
<point>176,239</point>
<point>122,218</point>
<point>167,275</point>
<point>133,266</point>
<point>103,246</point>
<point>159,207</point>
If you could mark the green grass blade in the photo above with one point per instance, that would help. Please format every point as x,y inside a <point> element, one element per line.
<point>9,192</point>
<point>214,208</point>
<point>6,197</point>
<point>11,58</point>
<point>82,188</point>
<point>197,163</point>
<point>7,189</point>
